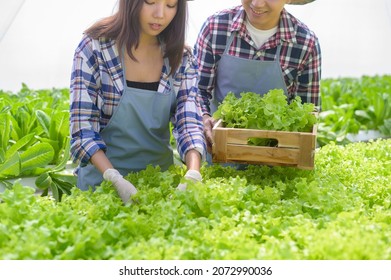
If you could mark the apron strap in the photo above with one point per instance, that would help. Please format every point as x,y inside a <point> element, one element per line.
<point>229,42</point>
<point>278,52</point>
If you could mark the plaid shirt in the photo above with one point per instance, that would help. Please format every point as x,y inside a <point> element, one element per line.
<point>300,56</point>
<point>97,86</point>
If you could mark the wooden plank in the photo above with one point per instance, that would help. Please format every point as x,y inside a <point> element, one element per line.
<point>219,148</point>
<point>307,152</point>
<point>262,154</point>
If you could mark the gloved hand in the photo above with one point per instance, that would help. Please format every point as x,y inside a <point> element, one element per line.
<point>124,188</point>
<point>192,175</point>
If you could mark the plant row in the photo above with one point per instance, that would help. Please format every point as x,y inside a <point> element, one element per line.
<point>34,125</point>
<point>339,210</point>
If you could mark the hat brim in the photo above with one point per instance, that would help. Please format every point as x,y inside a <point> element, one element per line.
<point>300,2</point>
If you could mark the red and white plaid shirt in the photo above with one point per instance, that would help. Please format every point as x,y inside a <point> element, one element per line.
<point>300,56</point>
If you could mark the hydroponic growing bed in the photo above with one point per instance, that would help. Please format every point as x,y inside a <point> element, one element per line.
<point>339,210</point>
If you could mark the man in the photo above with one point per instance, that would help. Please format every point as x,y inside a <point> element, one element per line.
<point>256,46</point>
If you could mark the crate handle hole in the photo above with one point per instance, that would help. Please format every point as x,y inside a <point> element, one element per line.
<point>258,141</point>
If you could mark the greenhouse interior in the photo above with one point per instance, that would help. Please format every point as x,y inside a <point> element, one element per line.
<point>336,206</point>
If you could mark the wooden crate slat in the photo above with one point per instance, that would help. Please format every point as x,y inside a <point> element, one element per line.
<point>262,154</point>
<point>307,152</point>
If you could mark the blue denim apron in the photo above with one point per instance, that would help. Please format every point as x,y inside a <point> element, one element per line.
<point>237,75</point>
<point>137,134</point>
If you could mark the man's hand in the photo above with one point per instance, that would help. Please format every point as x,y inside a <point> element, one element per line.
<point>209,122</point>
<point>192,175</point>
<point>124,188</point>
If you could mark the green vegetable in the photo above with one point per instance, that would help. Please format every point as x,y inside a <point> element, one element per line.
<point>34,134</point>
<point>269,112</point>
<point>340,210</point>
<point>353,104</point>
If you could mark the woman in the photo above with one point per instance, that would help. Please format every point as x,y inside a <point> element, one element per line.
<point>131,75</point>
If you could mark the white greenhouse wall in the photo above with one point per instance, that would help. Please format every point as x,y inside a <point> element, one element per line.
<point>38,37</point>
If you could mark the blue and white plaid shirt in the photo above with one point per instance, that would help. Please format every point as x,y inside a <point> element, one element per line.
<point>96,89</point>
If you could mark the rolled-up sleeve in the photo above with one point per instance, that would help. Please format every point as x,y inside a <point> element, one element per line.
<point>188,125</point>
<point>84,111</point>
<point>203,51</point>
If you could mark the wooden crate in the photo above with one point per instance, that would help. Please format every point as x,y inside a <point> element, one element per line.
<point>296,149</point>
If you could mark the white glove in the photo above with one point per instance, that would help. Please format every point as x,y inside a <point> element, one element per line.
<point>124,188</point>
<point>192,175</point>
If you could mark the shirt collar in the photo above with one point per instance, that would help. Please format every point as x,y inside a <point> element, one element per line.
<point>286,28</point>
<point>238,21</point>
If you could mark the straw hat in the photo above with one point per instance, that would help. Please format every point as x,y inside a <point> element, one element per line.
<point>300,2</point>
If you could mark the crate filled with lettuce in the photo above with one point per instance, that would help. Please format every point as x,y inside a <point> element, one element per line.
<point>266,129</point>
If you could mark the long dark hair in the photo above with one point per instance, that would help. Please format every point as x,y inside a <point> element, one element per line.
<point>124,27</point>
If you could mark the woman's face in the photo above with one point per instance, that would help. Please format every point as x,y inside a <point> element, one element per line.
<point>156,15</point>
<point>264,14</point>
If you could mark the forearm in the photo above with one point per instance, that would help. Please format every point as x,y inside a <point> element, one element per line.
<point>193,160</point>
<point>100,161</point>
